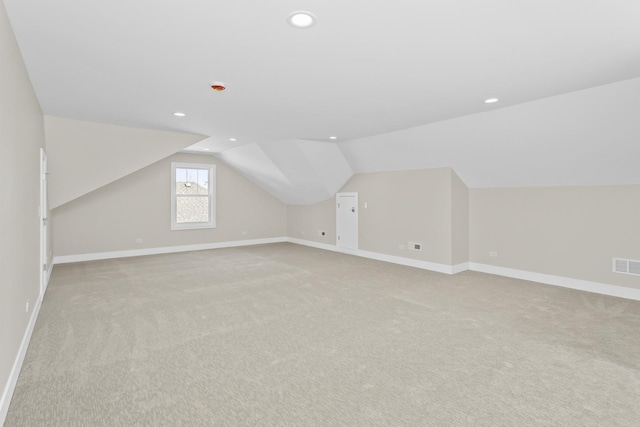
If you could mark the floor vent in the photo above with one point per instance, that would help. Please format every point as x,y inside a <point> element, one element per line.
<point>626,266</point>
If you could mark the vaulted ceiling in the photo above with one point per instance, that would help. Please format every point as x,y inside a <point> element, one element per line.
<point>401,84</point>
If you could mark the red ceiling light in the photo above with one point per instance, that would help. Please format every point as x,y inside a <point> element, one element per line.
<point>218,86</point>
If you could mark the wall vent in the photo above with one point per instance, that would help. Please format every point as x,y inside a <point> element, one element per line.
<point>626,266</point>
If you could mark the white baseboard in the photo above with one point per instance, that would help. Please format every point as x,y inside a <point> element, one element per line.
<point>459,268</point>
<point>46,280</point>
<point>547,279</point>
<point>425,265</point>
<point>10,386</point>
<point>565,282</point>
<point>163,250</point>
<point>325,246</point>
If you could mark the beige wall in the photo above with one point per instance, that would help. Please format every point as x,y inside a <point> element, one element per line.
<point>402,207</point>
<point>84,156</point>
<point>305,222</point>
<point>138,206</point>
<point>459,220</point>
<point>21,137</point>
<point>570,232</point>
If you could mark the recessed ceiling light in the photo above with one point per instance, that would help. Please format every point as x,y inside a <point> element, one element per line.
<point>333,137</point>
<point>491,100</point>
<point>233,139</point>
<point>179,114</point>
<point>301,19</point>
<point>205,149</point>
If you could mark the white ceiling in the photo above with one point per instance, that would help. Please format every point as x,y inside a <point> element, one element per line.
<point>366,70</point>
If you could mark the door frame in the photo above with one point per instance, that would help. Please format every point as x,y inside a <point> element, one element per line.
<point>44,210</point>
<point>347,194</point>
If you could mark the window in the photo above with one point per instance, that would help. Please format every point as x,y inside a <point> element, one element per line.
<point>193,203</point>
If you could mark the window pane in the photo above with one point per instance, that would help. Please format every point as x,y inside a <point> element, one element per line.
<point>193,204</point>
<point>181,175</point>
<point>203,181</point>
<point>192,181</point>
<point>192,209</point>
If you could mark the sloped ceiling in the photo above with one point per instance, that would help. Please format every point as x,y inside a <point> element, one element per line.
<point>84,156</point>
<point>401,84</point>
<point>297,172</point>
<point>589,137</point>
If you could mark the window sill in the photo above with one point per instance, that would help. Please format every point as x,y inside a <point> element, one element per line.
<point>199,226</point>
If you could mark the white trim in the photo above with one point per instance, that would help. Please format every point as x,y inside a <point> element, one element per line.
<point>46,283</point>
<point>211,170</point>
<point>409,262</point>
<point>425,265</point>
<point>44,213</point>
<point>163,250</point>
<point>547,279</point>
<point>459,268</point>
<point>10,386</point>
<point>325,246</point>
<point>565,282</point>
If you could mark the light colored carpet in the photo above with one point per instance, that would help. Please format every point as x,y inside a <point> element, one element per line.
<point>289,335</point>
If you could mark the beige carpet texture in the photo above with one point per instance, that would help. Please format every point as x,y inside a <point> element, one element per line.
<point>287,335</point>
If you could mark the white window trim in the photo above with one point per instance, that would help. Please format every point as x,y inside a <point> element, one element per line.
<point>212,197</point>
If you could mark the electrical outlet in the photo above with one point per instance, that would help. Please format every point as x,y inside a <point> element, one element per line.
<point>138,240</point>
<point>493,254</point>
<point>365,205</point>
<point>412,246</point>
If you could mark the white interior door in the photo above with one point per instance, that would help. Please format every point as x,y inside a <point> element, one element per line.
<point>347,220</point>
<point>44,209</point>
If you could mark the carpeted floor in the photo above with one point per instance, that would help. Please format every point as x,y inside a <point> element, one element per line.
<point>289,335</point>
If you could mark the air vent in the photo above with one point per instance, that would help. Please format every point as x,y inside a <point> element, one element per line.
<point>626,266</point>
